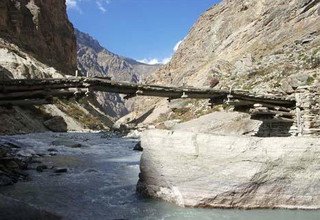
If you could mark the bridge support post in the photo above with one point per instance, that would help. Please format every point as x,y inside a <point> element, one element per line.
<point>308,111</point>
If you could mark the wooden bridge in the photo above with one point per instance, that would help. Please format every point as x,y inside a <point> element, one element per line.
<point>42,91</point>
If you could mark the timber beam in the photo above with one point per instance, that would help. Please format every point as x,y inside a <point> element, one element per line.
<point>107,85</point>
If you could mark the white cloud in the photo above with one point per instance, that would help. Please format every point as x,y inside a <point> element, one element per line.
<point>101,7</point>
<point>75,4</point>
<point>152,61</point>
<point>71,3</point>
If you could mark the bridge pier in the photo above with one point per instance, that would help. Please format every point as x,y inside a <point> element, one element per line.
<point>308,111</point>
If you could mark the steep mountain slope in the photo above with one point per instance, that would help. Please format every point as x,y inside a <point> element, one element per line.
<point>254,44</point>
<point>98,61</point>
<point>37,41</point>
<point>95,60</point>
<point>259,45</point>
<point>42,29</point>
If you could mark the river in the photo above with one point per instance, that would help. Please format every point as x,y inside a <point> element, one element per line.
<point>101,182</point>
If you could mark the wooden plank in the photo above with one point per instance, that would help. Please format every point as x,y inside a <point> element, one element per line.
<point>107,85</point>
<point>26,102</point>
<point>41,94</point>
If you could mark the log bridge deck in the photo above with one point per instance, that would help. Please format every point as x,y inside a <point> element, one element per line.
<point>41,91</point>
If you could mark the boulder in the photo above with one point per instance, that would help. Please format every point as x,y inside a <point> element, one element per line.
<point>138,147</point>
<point>41,168</point>
<point>56,124</point>
<point>61,170</point>
<point>26,153</point>
<point>14,209</point>
<point>203,170</point>
<point>5,180</point>
<point>67,143</point>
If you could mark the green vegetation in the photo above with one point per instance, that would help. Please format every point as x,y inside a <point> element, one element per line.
<point>310,80</point>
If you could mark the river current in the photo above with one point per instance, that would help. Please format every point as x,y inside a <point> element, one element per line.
<point>101,184</point>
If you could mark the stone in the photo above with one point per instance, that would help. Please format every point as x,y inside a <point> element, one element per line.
<point>56,124</point>
<point>41,168</point>
<point>194,169</point>
<point>286,87</point>
<point>138,147</point>
<point>3,152</point>
<point>68,143</point>
<point>11,143</point>
<point>61,170</point>
<point>171,123</point>
<point>133,134</point>
<point>90,170</point>
<point>5,180</point>
<point>52,150</point>
<point>26,153</point>
<point>15,209</point>
<point>12,165</point>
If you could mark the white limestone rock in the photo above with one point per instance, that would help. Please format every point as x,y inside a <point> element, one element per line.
<point>204,170</point>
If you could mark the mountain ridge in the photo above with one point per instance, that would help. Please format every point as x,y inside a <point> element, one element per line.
<point>94,59</point>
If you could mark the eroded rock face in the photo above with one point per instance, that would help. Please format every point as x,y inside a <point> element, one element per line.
<point>258,45</point>
<point>250,44</point>
<point>203,170</point>
<point>42,29</point>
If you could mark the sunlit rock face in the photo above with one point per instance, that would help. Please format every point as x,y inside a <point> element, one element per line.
<point>42,29</point>
<point>203,170</point>
<point>251,44</point>
<point>259,45</point>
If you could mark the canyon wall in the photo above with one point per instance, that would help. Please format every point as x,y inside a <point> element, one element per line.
<point>42,29</point>
<point>261,46</point>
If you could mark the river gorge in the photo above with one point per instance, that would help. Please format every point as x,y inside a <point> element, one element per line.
<point>100,183</point>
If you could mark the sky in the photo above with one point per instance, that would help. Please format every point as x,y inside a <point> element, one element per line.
<point>146,30</point>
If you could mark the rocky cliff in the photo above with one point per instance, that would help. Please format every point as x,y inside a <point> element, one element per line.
<point>42,29</point>
<point>37,41</point>
<point>261,46</point>
<point>255,45</point>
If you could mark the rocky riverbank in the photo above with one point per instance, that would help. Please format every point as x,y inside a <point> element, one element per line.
<point>204,170</point>
<point>17,159</point>
<point>14,161</point>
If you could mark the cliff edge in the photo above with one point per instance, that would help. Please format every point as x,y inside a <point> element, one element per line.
<point>42,29</point>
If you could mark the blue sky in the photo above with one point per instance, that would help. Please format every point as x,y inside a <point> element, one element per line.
<point>146,30</point>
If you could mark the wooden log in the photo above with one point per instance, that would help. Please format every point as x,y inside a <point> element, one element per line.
<point>271,112</point>
<point>129,96</point>
<point>26,102</point>
<point>41,94</point>
<point>278,119</point>
<point>106,85</point>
